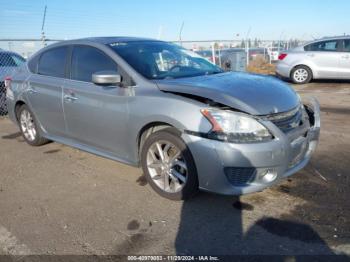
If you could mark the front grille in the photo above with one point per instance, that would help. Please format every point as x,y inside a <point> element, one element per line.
<point>287,121</point>
<point>240,176</point>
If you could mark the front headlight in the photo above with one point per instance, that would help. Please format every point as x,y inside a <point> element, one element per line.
<point>235,127</point>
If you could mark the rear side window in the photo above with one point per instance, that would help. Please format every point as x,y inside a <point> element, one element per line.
<point>325,46</point>
<point>88,60</point>
<point>52,62</point>
<point>346,45</point>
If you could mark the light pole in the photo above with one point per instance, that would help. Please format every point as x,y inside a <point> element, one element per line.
<point>180,34</point>
<point>42,28</point>
<point>213,52</point>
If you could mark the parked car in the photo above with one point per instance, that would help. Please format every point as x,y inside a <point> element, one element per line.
<point>9,61</point>
<point>328,58</point>
<point>273,53</point>
<point>189,125</point>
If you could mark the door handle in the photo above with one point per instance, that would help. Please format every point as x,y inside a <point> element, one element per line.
<point>311,55</point>
<point>70,98</point>
<point>345,56</point>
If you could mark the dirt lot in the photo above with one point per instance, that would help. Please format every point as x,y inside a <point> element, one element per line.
<point>58,200</point>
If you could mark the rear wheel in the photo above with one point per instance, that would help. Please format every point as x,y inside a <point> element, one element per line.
<point>29,127</point>
<point>301,75</point>
<point>169,166</point>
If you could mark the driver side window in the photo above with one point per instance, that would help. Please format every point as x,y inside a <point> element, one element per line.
<point>87,60</point>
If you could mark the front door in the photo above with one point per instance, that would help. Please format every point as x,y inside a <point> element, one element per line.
<point>96,115</point>
<point>325,56</point>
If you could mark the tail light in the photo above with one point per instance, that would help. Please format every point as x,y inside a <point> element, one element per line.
<point>282,56</point>
<point>8,82</point>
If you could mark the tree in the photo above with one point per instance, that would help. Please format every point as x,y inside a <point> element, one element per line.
<point>242,44</point>
<point>256,42</point>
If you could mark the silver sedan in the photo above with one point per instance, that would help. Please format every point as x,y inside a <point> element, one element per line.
<point>153,104</point>
<point>327,58</point>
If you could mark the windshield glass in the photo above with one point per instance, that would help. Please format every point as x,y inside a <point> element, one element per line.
<point>161,60</point>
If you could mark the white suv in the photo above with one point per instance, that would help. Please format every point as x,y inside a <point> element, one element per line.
<point>328,58</point>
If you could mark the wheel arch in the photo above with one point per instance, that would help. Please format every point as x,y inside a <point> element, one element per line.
<point>18,105</point>
<point>149,129</point>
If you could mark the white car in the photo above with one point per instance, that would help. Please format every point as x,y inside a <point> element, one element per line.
<point>328,58</point>
<point>273,53</point>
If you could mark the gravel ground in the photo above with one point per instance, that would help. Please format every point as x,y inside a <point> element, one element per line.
<point>59,200</point>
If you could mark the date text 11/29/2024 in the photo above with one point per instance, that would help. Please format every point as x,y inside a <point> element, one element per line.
<point>173,258</point>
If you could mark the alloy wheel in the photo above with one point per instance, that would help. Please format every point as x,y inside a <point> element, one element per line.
<point>28,125</point>
<point>301,75</point>
<point>167,166</point>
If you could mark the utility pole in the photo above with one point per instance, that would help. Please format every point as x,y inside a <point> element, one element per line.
<point>180,34</point>
<point>42,28</point>
<point>247,45</point>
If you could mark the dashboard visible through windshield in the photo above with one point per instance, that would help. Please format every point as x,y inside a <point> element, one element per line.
<point>162,60</point>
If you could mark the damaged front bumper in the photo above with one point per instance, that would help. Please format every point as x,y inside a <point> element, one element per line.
<point>235,169</point>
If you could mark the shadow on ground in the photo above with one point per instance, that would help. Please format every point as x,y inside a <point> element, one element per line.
<point>212,224</point>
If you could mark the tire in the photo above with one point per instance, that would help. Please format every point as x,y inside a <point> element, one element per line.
<point>29,127</point>
<point>301,75</point>
<point>181,186</point>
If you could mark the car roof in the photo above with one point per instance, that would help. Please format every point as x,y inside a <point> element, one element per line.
<point>327,38</point>
<point>111,39</point>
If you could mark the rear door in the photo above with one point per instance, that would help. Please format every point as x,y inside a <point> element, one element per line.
<point>45,88</point>
<point>344,65</point>
<point>325,56</point>
<point>96,115</point>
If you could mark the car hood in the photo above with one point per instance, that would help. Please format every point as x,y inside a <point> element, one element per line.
<point>250,93</point>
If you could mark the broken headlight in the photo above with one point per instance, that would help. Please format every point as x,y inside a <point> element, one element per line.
<point>235,127</point>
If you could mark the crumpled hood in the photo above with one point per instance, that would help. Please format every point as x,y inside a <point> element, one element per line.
<point>251,93</point>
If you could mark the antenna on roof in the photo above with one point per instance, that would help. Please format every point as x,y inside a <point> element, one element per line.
<point>42,28</point>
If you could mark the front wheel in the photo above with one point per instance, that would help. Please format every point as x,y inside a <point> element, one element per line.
<point>301,75</point>
<point>169,166</point>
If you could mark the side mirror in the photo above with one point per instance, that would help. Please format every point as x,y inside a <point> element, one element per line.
<point>106,78</point>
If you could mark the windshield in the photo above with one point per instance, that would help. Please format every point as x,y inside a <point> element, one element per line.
<point>161,60</point>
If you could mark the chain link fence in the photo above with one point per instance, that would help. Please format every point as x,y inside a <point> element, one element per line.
<point>12,55</point>
<point>9,61</point>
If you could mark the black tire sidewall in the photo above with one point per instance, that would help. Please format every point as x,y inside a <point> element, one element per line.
<point>309,77</point>
<point>191,186</point>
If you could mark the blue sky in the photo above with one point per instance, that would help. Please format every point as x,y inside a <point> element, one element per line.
<point>205,19</point>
